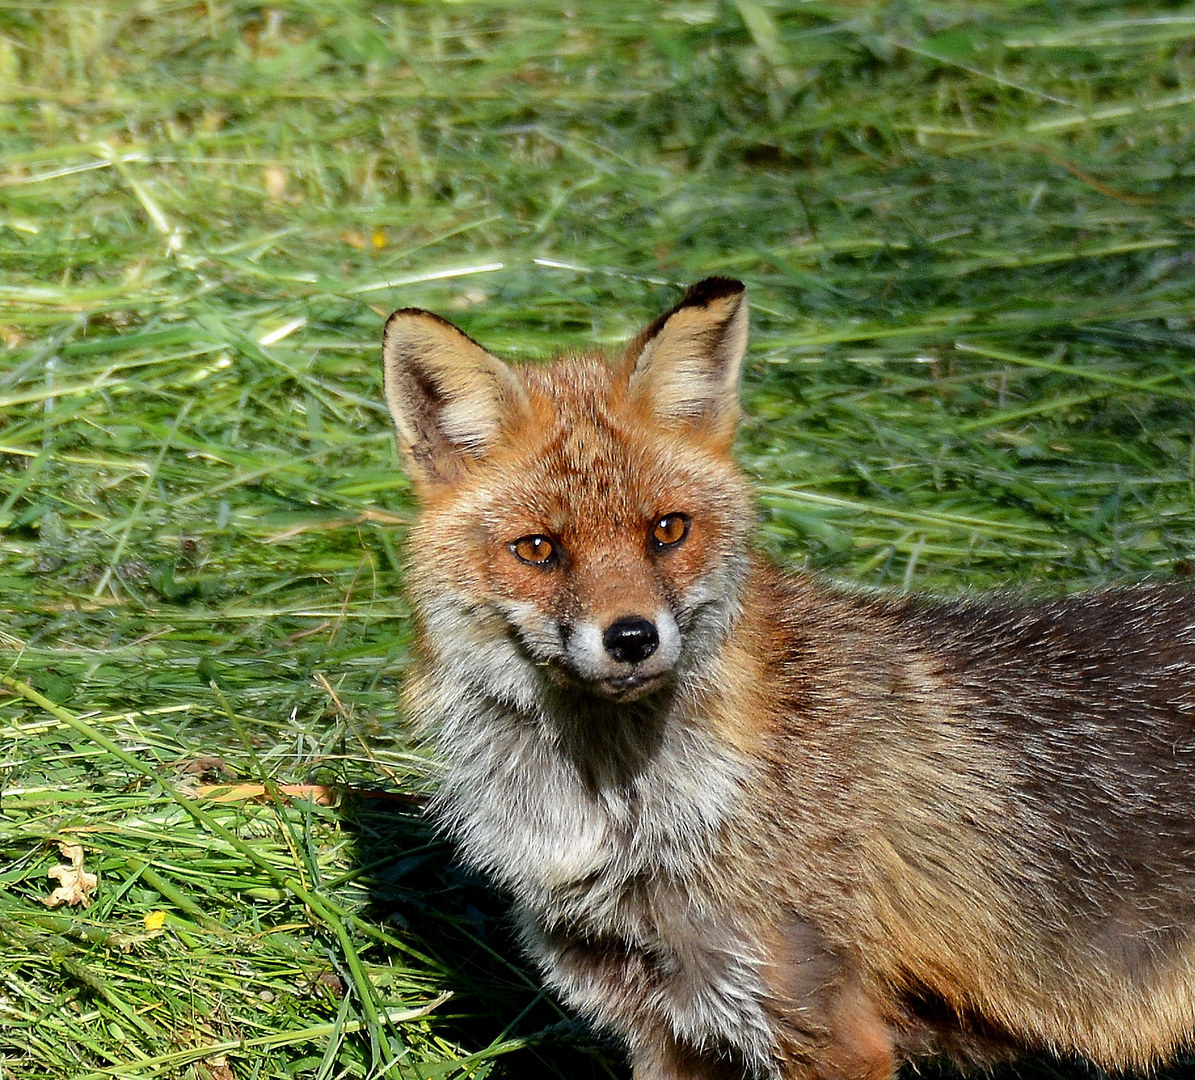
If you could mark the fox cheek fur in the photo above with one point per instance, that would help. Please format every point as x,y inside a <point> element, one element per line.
<point>761,828</point>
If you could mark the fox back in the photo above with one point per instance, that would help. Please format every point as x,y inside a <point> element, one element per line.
<point>757,826</point>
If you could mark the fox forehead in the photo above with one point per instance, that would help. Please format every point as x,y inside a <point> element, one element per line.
<point>585,454</point>
<point>580,410</point>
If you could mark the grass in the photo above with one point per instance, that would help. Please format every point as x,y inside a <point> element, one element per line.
<point>967,231</point>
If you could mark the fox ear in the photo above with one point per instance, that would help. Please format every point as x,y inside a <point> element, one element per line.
<point>448,397</point>
<point>686,365</point>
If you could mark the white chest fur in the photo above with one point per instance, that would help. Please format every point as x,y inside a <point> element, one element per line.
<point>611,862</point>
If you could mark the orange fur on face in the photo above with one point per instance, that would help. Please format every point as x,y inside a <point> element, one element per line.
<point>592,481</point>
<point>761,828</point>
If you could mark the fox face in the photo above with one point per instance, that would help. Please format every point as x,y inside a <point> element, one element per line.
<point>583,523</point>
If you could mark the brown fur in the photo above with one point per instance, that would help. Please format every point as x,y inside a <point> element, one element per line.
<point>809,834</point>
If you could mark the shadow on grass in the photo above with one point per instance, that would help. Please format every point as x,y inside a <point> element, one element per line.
<point>420,891</point>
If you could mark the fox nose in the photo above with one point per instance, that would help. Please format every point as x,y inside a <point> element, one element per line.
<point>631,640</point>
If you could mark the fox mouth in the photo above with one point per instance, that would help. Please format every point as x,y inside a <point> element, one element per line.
<point>628,687</point>
<point>624,687</point>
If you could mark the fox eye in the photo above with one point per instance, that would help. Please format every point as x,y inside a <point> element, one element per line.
<point>669,530</point>
<point>535,550</point>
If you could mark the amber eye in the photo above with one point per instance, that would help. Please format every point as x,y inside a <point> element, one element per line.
<point>536,550</point>
<point>669,530</point>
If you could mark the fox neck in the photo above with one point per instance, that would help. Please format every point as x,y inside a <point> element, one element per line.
<point>608,743</point>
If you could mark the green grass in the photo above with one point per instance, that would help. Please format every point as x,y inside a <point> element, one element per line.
<point>968,233</point>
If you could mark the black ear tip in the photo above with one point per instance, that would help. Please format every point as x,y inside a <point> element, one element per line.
<point>710,289</point>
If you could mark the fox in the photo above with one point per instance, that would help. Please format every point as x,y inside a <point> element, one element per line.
<point>755,824</point>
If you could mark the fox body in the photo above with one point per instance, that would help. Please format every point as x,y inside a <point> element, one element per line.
<point>761,827</point>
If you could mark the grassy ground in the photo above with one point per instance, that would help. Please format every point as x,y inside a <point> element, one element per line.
<point>967,230</point>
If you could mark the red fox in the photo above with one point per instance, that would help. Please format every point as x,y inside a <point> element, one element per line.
<point>761,827</point>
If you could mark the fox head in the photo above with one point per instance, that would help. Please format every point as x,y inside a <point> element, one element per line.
<point>582,521</point>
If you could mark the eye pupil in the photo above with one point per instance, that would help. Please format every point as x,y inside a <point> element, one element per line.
<point>670,529</point>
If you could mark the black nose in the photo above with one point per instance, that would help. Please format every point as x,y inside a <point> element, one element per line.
<point>631,640</point>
